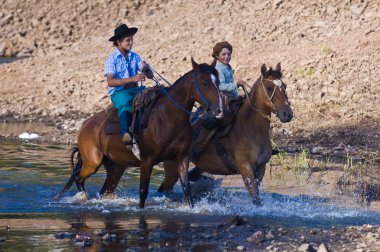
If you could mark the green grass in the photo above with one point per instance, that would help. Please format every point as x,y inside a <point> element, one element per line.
<point>325,50</point>
<point>301,167</point>
<point>306,72</point>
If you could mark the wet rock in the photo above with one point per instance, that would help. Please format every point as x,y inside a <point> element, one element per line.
<point>305,247</point>
<point>240,248</point>
<point>257,237</point>
<point>236,221</point>
<point>269,235</point>
<point>83,241</point>
<point>79,244</point>
<point>106,236</point>
<point>322,248</point>
<point>109,237</point>
<point>317,150</point>
<point>99,232</point>
<point>63,235</point>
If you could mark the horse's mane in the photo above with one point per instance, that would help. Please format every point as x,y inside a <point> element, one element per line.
<point>208,69</point>
<point>204,68</point>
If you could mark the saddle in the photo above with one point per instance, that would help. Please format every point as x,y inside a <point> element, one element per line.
<point>141,104</point>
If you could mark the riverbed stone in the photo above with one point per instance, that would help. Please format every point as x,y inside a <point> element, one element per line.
<point>322,248</point>
<point>257,237</point>
<point>306,247</point>
<point>240,248</point>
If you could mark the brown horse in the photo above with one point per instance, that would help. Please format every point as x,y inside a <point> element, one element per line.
<point>247,147</point>
<point>167,136</point>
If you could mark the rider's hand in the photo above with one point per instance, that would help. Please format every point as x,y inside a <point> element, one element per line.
<point>143,64</point>
<point>138,77</point>
<point>241,83</point>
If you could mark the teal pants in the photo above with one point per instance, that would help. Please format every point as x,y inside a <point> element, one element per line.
<point>123,99</point>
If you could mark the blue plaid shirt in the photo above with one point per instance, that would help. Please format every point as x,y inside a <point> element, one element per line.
<point>121,67</point>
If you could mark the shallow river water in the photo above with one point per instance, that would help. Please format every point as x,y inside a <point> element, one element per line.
<point>32,220</point>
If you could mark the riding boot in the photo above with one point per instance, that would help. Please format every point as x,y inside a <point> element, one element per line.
<point>125,121</point>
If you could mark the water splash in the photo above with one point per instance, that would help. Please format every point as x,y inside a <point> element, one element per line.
<point>229,201</point>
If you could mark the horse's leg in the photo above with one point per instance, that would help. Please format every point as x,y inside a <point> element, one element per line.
<point>171,176</point>
<point>114,173</point>
<point>145,174</point>
<point>259,172</point>
<point>91,163</point>
<point>252,183</point>
<point>183,170</point>
<point>196,174</point>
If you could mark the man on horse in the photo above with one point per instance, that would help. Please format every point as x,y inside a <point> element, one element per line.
<point>122,72</point>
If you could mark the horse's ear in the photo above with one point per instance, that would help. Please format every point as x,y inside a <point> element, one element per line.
<point>195,65</point>
<point>263,70</point>
<point>278,67</point>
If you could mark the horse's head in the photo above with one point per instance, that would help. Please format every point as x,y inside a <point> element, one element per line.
<point>275,90</point>
<point>206,91</point>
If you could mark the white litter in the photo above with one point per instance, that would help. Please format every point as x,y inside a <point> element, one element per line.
<point>28,136</point>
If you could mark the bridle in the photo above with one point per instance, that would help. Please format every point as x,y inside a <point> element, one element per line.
<point>277,84</point>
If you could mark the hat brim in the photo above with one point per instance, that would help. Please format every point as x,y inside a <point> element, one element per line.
<point>131,31</point>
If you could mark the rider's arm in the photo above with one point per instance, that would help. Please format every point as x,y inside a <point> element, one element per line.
<point>113,82</point>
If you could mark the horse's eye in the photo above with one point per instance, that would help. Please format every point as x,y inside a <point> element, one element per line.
<point>204,83</point>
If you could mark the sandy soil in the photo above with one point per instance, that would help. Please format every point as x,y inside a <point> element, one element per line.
<point>328,50</point>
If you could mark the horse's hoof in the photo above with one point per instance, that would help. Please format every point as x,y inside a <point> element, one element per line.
<point>81,196</point>
<point>58,196</point>
<point>257,202</point>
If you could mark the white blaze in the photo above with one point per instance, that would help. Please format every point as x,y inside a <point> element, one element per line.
<point>213,78</point>
<point>278,83</point>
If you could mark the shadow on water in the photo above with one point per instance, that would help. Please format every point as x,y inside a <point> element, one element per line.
<point>30,175</point>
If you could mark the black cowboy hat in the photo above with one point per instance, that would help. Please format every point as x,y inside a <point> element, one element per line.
<point>123,30</point>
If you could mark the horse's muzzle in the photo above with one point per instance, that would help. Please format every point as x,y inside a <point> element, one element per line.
<point>219,114</point>
<point>285,114</point>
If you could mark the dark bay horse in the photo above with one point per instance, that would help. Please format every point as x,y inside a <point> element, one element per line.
<point>247,147</point>
<point>167,136</point>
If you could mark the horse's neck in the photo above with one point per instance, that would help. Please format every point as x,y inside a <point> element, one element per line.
<point>180,92</point>
<point>255,122</point>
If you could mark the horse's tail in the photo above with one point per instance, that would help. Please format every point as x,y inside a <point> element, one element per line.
<point>74,150</point>
<point>76,168</point>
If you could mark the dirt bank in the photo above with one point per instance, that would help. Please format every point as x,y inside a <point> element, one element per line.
<point>329,50</point>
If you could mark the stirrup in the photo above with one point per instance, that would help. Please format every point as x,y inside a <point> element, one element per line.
<point>127,139</point>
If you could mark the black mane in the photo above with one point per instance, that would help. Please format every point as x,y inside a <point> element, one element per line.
<point>208,69</point>
<point>274,73</point>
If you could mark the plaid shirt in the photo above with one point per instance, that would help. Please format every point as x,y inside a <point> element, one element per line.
<point>121,67</point>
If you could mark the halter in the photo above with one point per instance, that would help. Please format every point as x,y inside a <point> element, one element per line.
<point>276,83</point>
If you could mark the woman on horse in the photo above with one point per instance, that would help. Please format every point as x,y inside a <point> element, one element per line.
<point>122,72</point>
<point>222,53</point>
